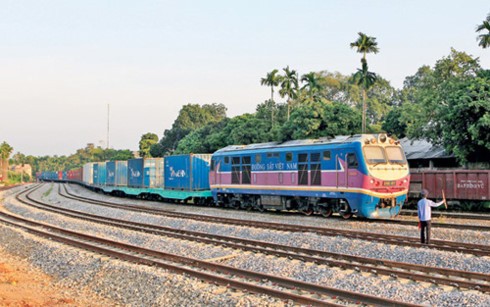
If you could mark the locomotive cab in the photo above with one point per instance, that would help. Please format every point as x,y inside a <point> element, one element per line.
<point>387,176</point>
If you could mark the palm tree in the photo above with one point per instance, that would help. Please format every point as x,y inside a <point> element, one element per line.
<point>271,79</point>
<point>5,151</point>
<point>289,86</point>
<point>484,38</point>
<point>365,79</point>
<point>312,83</point>
<point>364,44</point>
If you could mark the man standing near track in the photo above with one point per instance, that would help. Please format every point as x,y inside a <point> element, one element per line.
<point>424,212</point>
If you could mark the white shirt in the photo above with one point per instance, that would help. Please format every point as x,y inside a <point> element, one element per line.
<point>423,207</point>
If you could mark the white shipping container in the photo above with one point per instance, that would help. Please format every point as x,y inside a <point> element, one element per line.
<point>88,173</point>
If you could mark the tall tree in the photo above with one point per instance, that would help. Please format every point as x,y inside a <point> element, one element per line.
<point>289,86</point>
<point>365,44</point>
<point>449,106</point>
<point>484,38</point>
<point>146,141</point>
<point>311,82</point>
<point>271,79</point>
<point>365,79</point>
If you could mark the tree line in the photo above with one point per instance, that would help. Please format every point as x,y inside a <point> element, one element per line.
<point>447,104</point>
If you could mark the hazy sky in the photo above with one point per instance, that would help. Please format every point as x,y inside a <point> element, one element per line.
<point>63,62</point>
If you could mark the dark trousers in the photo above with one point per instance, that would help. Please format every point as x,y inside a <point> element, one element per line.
<point>425,232</point>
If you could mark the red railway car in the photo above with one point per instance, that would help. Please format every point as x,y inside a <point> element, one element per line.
<point>457,184</point>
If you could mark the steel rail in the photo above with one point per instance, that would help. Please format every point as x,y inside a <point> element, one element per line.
<point>155,258</point>
<point>452,246</point>
<point>375,266</point>
<point>433,224</point>
<point>455,215</point>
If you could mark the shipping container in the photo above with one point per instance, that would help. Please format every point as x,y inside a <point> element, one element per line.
<point>135,173</point>
<point>95,172</point>
<point>153,173</point>
<point>110,173</point>
<point>457,184</point>
<point>102,173</point>
<point>187,172</point>
<point>88,173</point>
<point>75,174</point>
<point>121,173</point>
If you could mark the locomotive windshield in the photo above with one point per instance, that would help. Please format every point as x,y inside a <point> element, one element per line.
<point>374,154</point>
<point>395,155</point>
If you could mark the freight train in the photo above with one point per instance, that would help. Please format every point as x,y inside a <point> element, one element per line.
<point>363,175</point>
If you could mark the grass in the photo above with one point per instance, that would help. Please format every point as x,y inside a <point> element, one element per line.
<point>46,194</point>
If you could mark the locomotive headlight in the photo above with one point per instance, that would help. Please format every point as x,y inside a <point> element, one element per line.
<point>382,138</point>
<point>371,181</point>
<point>405,180</point>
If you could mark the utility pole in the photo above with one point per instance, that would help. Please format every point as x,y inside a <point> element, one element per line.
<point>108,112</point>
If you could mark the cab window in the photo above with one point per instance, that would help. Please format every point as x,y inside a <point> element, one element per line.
<point>352,161</point>
<point>395,154</point>
<point>374,154</point>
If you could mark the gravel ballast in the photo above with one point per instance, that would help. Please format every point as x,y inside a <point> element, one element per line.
<point>102,274</point>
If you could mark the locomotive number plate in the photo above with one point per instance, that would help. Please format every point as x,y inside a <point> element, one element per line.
<point>389,183</point>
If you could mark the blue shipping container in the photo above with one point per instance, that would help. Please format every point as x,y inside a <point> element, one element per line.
<point>102,173</point>
<point>111,173</point>
<point>95,173</point>
<point>187,172</point>
<point>135,173</point>
<point>121,173</point>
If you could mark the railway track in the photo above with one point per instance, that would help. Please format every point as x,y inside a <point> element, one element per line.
<point>469,248</point>
<point>454,215</point>
<point>393,269</point>
<point>433,224</point>
<point>283,288</point>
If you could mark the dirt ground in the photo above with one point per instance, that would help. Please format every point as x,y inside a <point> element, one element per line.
<point>23,285</point>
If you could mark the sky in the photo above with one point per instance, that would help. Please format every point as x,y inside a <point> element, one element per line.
<point>63,62</point>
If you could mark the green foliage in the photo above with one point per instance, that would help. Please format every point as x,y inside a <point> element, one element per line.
<point>365,44</point>
<point>393,124</point>
<point>147,140</point>
<point>289,87</point>
<point>82,156</point>
<point>484,38</point>
<point>449,105</point>
<point>466,118</point>
<point>363,77</point>
<point>320,118</point>
<point>5,150</point>
<point>14,178</point>
<point>243,129</point>
<point>271,79</point>
<point>191,117</point>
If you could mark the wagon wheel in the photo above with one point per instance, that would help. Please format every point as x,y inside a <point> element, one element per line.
<point>307,212</point>
<point>326,211</point>
<point>346,212</point>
